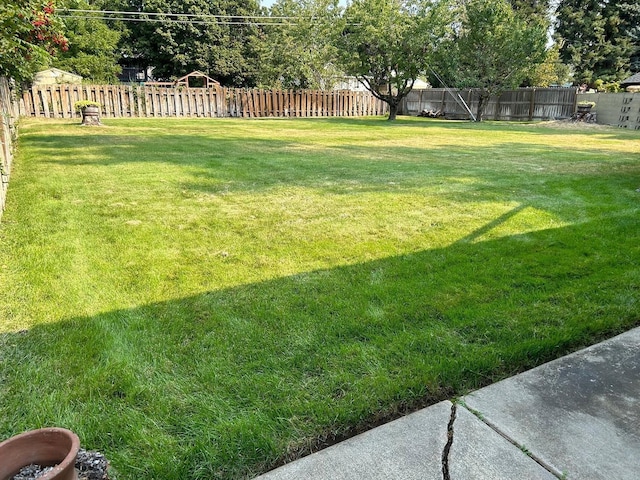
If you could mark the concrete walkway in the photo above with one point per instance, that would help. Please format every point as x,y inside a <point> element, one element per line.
<point>576,418</point>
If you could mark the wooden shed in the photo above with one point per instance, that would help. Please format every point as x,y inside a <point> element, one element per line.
<point>55,76</point>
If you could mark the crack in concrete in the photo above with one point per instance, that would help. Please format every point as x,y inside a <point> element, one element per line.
<point>447,447</point>
<point>549,468</point>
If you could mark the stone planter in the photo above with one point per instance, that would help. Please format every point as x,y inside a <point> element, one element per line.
<point>47,447</point>
<point>90,115</point>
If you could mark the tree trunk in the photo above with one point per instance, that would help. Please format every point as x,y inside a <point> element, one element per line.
<point>482,103</point>
<point>393,111</point>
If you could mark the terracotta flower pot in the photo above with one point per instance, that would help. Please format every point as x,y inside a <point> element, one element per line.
<point>46,447</point>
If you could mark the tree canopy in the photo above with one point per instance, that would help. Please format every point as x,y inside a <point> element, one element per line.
<point>493,49</point>
<point>529,8</point>
<point>93,46</point>
<point>552,71</point>
<point>387,44</point>
<point>175,44</point>
<point>598,38</point>
<point>299,50</point>
<point>29,35</point>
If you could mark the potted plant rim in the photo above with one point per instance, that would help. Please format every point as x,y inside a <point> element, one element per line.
<point>53,449</point>
<point>90,111</point>
<point>585,107</point>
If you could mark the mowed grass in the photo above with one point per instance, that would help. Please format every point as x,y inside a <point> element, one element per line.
<point>207,298</point>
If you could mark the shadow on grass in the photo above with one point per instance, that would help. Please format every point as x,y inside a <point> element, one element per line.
<point>230,383</point>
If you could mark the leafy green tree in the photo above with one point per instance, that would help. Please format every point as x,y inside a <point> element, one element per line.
<point>493,49</point>
<point>529,8</point>
<point>598,37</point>
<point>550,72</point>
<point>176,43</point>
<point>93,46</point>
<point>386,44</point>
<point>300,52</point>
<point>29,35</point>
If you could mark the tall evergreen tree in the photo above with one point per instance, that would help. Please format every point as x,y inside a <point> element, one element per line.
<point>597,37</point>
<point>630,15</point>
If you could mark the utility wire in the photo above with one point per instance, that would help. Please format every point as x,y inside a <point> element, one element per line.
<point>170,20</point>
<point>198,15</point>
<point>255,20</point>
<point>258,20</point>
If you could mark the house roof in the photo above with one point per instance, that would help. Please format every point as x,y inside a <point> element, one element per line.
<point>632,80</point>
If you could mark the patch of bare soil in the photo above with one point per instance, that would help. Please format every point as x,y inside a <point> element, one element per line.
<point>570,125</point>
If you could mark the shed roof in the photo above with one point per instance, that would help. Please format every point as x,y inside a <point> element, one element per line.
<point>55,75</point>
<point>632,80</point>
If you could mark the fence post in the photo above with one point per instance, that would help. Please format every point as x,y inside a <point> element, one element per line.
<point>532,103</point>
<point>7,134</point>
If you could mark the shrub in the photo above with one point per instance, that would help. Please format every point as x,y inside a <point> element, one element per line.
<point>81,104</point>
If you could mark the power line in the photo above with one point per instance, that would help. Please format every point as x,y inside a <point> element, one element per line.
<point>256,20</point>
<point>197,15</point>
<point>171,20</point>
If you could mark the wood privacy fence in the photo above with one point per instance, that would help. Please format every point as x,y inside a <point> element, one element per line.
<point>56,101</point>
<point>521,104</point>
<point>8,116</point>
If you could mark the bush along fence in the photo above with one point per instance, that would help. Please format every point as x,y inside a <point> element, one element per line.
<point>57,101</point>
<point>524,104</point>
<point>8,116</point>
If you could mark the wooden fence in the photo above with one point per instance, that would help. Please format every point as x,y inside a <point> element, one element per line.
<point>521,104</point>
<point>8,116</point>
<point>56,101</point>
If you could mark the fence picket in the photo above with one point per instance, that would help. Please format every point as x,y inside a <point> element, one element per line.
<point>45,103</point>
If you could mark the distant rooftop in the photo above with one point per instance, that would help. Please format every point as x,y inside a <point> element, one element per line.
<point>632,80</point>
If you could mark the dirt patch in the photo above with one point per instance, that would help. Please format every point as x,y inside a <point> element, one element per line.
<point>569,125</point>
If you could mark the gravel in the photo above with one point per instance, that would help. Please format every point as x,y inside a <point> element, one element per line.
<point>90,466</point>
<point>31,472</point>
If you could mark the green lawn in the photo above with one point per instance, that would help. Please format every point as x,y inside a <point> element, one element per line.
<point>204,299</point>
